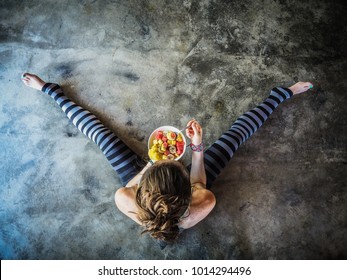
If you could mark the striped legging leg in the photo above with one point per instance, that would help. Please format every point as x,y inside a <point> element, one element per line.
<point>219,154</point>
<point>122,159</point>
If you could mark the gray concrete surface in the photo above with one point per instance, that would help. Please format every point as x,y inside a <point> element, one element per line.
<point>141,64</point>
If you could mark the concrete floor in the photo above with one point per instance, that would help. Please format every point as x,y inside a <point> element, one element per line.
<point>142,64</point>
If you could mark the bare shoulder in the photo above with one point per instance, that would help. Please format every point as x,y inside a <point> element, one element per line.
<point>202,203</point>
<point>202,196</point>
<point>125,199</point>
<point>125,194</point>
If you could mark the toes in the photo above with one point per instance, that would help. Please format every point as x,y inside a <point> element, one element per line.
<point>26,75</point>
<point>309,85</point>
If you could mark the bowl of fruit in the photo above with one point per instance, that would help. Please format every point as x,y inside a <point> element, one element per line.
<point>166,142</point>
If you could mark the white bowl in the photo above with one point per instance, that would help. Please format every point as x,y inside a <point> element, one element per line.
<point>167,128</point>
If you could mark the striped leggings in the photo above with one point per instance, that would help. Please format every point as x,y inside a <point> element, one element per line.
<point>127,164</point>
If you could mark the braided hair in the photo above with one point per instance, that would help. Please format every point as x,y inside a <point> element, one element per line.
<point>163,195</point>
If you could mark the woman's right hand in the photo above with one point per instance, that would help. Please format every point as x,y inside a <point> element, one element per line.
<point>194,132</point>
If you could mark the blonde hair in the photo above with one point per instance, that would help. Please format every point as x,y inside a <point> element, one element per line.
<point>163,195</point>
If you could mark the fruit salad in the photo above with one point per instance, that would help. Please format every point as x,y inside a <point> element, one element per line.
<point>166,145</point>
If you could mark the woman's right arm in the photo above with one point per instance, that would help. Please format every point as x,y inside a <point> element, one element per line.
<point>197,171</point>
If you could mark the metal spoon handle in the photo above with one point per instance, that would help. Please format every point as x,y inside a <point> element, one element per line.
<point>188,126</point>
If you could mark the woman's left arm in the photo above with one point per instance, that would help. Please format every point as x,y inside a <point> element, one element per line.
<point>125,198</point>
<point>136,180</point>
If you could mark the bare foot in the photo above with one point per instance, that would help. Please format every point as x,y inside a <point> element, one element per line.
<point>300,87</point>
<point>32,81</point>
